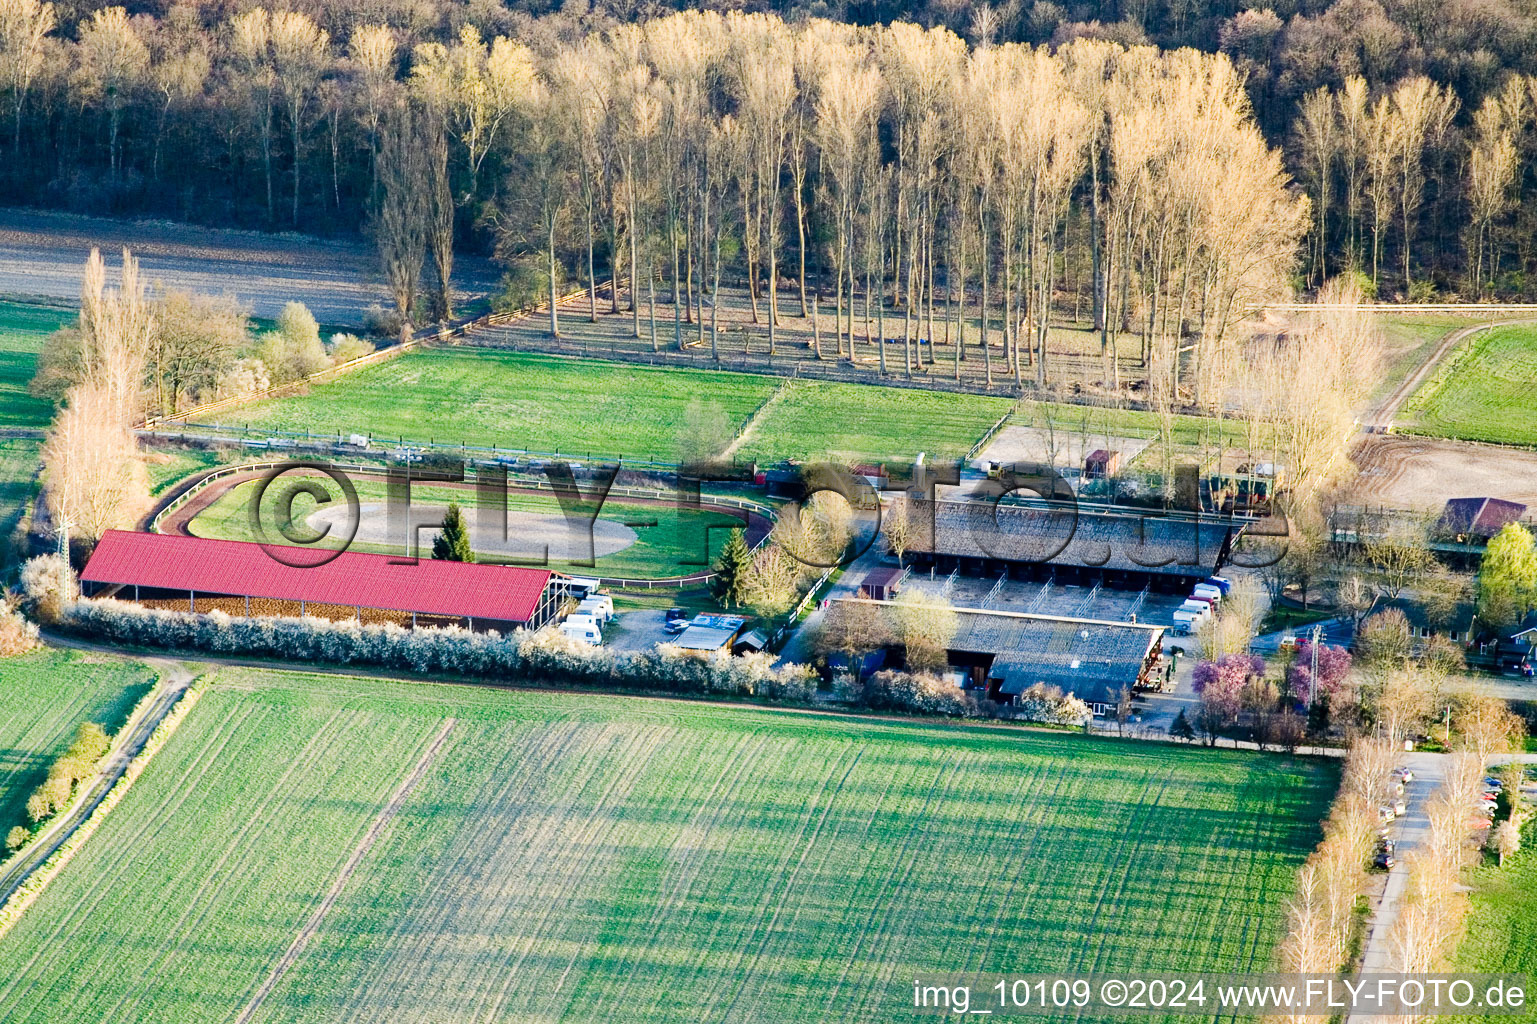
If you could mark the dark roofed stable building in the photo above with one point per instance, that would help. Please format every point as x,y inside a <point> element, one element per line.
<point>241,578</point>
<point>1093,660</point>
<point>882,584</point>
<point>1122,548</point>
<point>1477,520</point>
<point>1006,653</point>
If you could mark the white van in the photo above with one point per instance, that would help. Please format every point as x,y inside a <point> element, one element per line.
<point>599,606</point>
<point>584,632</point>
<point>582,619</point>
<point>1207,590</point>
<point>1198,607</point>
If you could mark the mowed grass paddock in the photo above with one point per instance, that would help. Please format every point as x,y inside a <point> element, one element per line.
<point>44,696</point>
<point>863,422</point>
<point>580,858</point>
<point>489,397</point>
<point>591,408</point>
<point>1485,391</point>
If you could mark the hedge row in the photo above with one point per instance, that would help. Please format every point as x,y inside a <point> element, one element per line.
<point>524,657</point>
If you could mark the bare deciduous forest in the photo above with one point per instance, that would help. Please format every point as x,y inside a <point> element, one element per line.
<point>1409,126</point>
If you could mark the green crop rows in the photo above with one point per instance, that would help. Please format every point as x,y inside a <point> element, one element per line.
<point>586,858</point>
<point>22,330</point>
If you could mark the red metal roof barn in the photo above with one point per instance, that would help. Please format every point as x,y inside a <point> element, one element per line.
<point>230,574</point>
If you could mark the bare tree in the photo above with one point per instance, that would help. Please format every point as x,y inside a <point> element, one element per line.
<point>924,624</point>
<point>1422,111</point>
<point>1317,134</point>
<point>400,221</point>
<point>300,56</point>
<point>1492,165</point>
<point>113,62</point>
<point>251,40</point>
<point>24,25</point>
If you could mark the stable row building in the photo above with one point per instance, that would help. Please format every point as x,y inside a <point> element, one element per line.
<point>241,578</point>
<point>1120,547</point>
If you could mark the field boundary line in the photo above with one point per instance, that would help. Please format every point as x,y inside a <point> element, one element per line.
<point>1426,374</point>
<point>359,851</point>
<point>748,425</point>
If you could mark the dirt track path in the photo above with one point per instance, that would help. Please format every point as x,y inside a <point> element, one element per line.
<point>174,680</point>
<point>41,255</point>
<point>1380,418</point>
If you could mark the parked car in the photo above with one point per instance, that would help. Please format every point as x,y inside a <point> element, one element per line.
<point>1490,782</point>
<point>1402,774</point>
<point>1384,858</point>
<point>1386,813</point>
<point>1400,808</point>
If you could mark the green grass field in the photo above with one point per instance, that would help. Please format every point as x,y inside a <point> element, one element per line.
<point>861,421</point>
<point>43,697</point>
<point>18,479</point>
<point>592,408</point>
<point>1408,340</point>
<point>669,541</point>
<point>1501,935</point>
<point>22,329</point>
<point>492,397</point>
<point>581,858</point>
<point>167,466</point>
<point>1485,391</point>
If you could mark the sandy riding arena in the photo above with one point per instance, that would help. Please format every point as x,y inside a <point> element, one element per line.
<point>1419,472</point>
<point>531,536</point>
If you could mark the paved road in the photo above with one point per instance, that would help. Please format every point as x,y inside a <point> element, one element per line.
<point>1338,632</point>
<point>798,647</point>
<point>1410,831</point>
<point>174,680</point>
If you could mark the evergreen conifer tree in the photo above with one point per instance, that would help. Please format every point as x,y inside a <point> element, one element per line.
<point>731,569</point>
<point>453,543</point>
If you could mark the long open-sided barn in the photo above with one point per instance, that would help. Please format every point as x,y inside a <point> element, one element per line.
<point>242,578</point>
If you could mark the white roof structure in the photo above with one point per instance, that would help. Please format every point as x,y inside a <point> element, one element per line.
<point>710,632</point>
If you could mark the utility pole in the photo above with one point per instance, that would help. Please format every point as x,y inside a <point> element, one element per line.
<point>1318,632</point>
